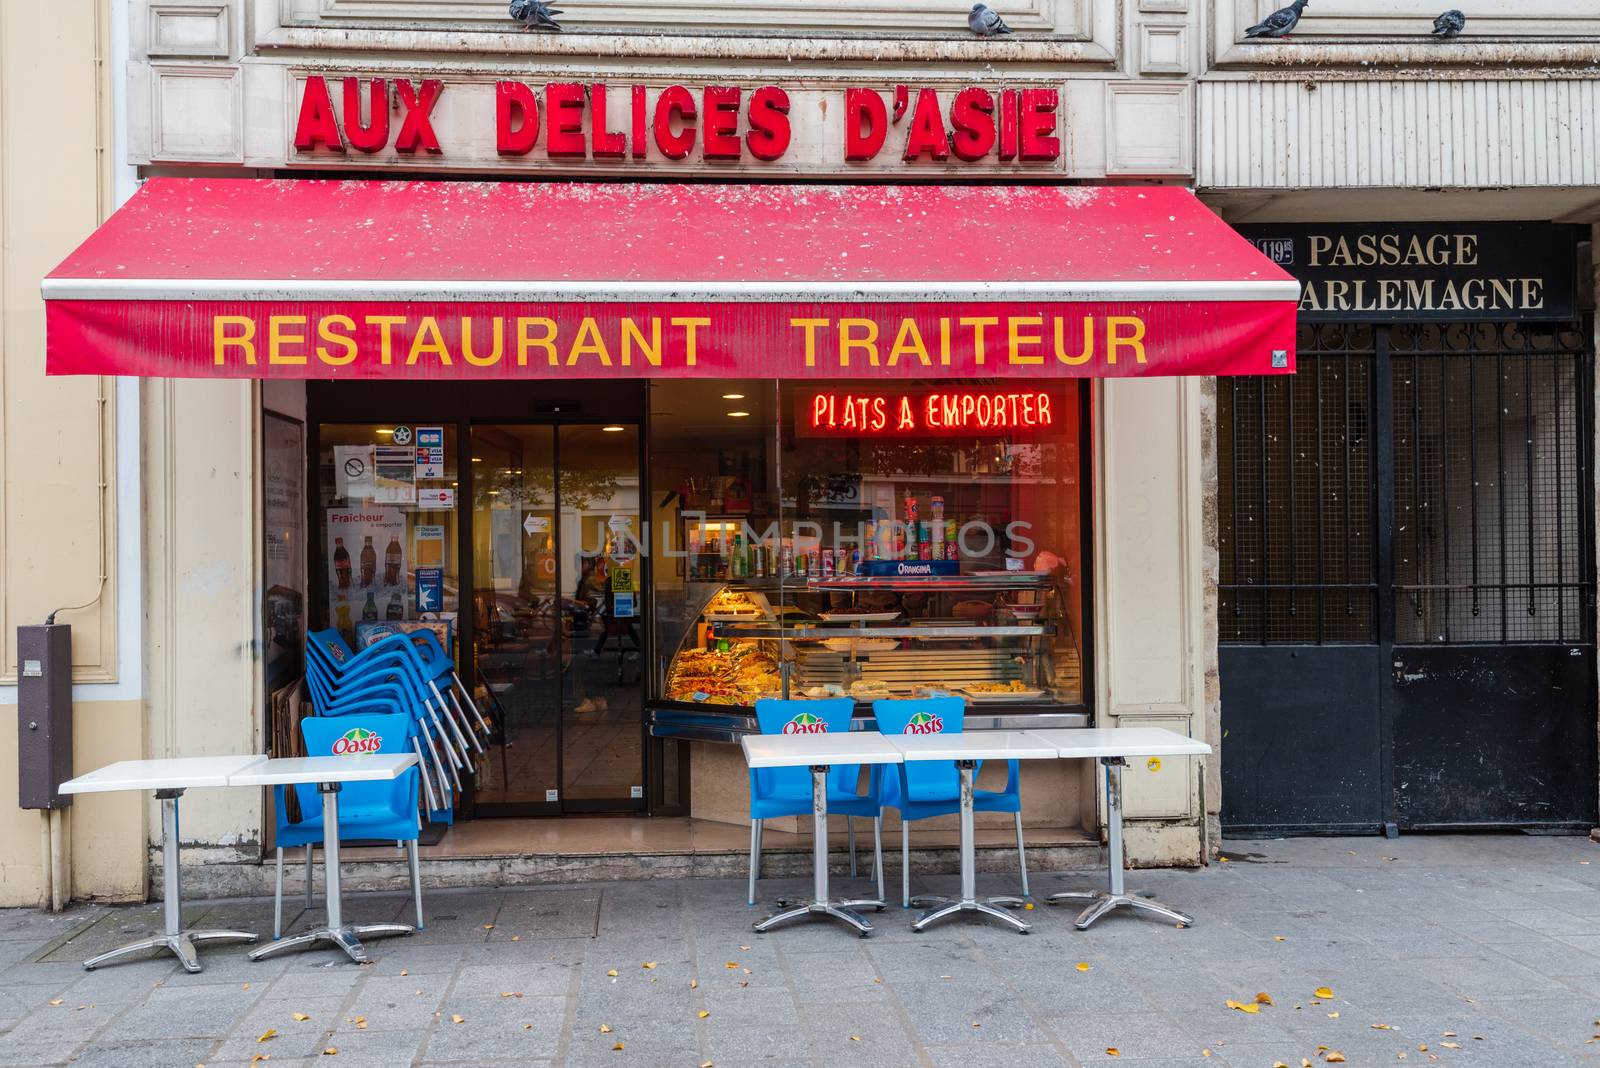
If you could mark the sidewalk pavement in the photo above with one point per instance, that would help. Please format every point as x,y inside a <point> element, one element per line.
<point>1480,950</point>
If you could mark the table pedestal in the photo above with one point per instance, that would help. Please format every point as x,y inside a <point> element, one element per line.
<point>822,906</point>
<point>990,907</point>
<point>175,940</point>
<point>1114,896</point>
<point>344,935</point>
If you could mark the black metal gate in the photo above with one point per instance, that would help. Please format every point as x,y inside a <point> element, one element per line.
<point>1406,604</point>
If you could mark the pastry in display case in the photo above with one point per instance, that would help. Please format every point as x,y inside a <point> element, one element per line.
<point>997,638</point>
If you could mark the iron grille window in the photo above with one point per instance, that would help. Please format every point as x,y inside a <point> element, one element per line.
<point>1296,496</point>
<point>1491,505</point>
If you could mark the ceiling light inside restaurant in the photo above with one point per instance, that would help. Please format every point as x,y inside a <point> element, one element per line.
<point>733,396</point>
<point>738,415</point>
<point>613,429</point>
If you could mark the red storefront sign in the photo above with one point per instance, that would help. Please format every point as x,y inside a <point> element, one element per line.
<point>304,279</point>
<point>573,120</point>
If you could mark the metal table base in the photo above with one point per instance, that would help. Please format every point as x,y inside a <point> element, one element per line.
<point>347,936</point>
<point>1115,896</point>
<point>992,908</point>
<point>822,907</point>
<point>175,940</point>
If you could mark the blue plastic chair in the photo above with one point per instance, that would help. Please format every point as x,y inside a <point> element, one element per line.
<point>385,810</point>
<point>391,693</point>
<point>778,792</point>
<point>923,789</point>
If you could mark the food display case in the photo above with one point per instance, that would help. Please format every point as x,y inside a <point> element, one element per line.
<point>999,639</point>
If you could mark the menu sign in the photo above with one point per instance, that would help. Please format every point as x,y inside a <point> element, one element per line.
<point>1431,272</point>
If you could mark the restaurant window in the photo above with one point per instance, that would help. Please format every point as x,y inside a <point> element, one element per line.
<point>387,520</point>
<point>825,538</point>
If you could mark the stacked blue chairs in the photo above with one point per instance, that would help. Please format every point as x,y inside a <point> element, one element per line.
<point>924,789</point>
<point>401,674</point>
<point>778,792</point>
<point>382,810</point>
<point>388,685</point>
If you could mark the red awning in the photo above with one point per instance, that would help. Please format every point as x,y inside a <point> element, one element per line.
<point>438,280</point>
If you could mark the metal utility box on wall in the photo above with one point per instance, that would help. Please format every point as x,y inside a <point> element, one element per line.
<point>44,715</point>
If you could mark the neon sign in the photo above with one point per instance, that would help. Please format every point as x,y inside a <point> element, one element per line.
<point>932,414</point>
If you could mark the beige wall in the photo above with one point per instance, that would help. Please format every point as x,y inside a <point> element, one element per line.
<point>57,444</point>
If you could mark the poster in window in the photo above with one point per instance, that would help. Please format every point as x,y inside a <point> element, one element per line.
<point>284,512</point>
<point>367,577</point>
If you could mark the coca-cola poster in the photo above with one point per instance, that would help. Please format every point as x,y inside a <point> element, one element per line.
<point>368,580</point>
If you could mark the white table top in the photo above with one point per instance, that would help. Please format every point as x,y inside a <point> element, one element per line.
<point>974,745</point>
<point>1120,741</point>
<point>807,750</point>
<point>360,767</point>
<point>169,773</point>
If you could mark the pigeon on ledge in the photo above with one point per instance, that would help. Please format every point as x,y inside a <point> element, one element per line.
<point>1280,23</point>
<point>985,21</point>
<point>1450,24</point>
<point>533,14</point>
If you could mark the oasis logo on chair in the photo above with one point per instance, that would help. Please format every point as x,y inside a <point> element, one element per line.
<point>357,740</point>
<point>805,723</point>
<point>925,723</point>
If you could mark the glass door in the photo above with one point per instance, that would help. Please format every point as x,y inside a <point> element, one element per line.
<point>518,623</point>
<point>602,744</point>
<point>557,599</point>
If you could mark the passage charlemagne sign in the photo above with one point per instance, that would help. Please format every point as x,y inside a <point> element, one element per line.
<point>1430,272</point>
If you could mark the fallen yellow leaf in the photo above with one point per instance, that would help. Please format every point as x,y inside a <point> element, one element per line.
<point>731,964</point>
<point>527,1027</point>
<point>1333,1016</point>
<point>1252,1008</point>
<point>457,1018</point>
<point>1452,1034</point>
<point>1380,1027</point>
<point>1322,992</point>
<point>1263,998</point>
<point>259,1057</point>
<point>706,1064</point>
<point>745,948</point>
<point>55,1001</point>
<point>300,1016</point>
<point>488,927</point>
<point>605,1029</point>
<point>1279,1064</point>
<point>648,965</point>
<point>1027,906</point>
<point>617,1046</point>
<point>694,984</point>
<point>1112,1051</point>
<point>1422,1047</point>
<point>1205,1053</point>
<point>1451,1045</point>
<point>511,993</point>
<point>1279,938</point>
<point>1333,1056</point>
<point>612,973</point>
<point>516,938</point>
<point>855,1038</point>
<point>1083,965</point>
<point>245,987</point>
<point>268,1035</point>
<point>702,1014</point>
<point>331,1051</point>
<point>1223,859</point>
<point>403,971</point>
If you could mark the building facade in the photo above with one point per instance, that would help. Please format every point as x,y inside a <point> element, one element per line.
<point>1360,120</point>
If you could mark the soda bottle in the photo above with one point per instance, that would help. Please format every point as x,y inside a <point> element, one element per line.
<point>369,611</point>
<point>369,563</point>
<point>391,562</point>
<point>397,607</point>
<point>343,618</point>
<point>341,563</point>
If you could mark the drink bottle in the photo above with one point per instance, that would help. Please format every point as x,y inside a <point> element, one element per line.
<point>391,562</point>
<point>397,607</point>
<point>341,563</point>
<point>369,611</point>
<point>369,563</point>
